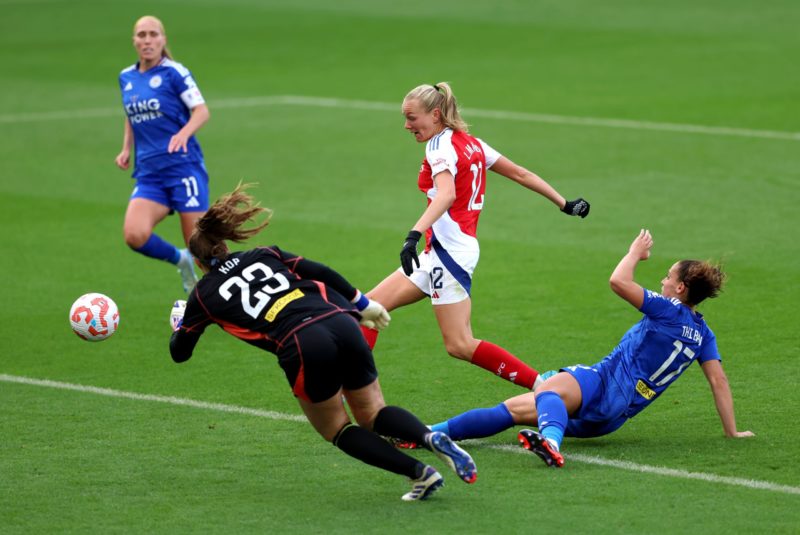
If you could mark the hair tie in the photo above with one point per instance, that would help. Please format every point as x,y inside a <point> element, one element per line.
<point>436,87</point>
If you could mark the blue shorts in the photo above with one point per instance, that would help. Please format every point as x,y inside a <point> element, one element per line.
<point>602,408</point>
<point>182,188</point>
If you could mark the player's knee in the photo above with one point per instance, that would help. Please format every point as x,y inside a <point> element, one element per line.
<point>136,238</point>
<point>459,349</point>
<point>367,421</point>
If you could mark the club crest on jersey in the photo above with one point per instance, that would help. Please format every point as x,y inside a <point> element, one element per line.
<point>155,81</point>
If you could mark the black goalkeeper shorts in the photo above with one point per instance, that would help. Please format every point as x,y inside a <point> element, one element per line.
<point>325,356</point>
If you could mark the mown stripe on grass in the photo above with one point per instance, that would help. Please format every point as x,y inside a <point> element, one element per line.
<point>325,102</point>
<point>273,415</point>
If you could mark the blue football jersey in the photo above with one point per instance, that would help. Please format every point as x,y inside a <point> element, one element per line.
<point>655,351</point>
<point>158,103</point>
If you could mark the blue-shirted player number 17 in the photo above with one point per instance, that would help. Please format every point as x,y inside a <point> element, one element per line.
<point>679,348</point>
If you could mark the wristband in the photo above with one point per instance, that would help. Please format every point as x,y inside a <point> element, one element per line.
<point>360,301</point>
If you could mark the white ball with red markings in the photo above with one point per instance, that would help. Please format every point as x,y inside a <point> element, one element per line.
<point>176,314</point>
<point>94,317</point>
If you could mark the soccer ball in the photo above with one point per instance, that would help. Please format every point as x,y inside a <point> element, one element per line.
<point>176,315</point>
<point>94,317</point>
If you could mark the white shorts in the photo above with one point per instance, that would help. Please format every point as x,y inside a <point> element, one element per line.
<point>445,278</point>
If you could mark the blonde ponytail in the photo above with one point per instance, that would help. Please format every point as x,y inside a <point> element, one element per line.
<point>439,96</point>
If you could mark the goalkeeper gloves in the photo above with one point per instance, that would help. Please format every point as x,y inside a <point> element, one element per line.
<point>373,315</point>
<point>176,314</point>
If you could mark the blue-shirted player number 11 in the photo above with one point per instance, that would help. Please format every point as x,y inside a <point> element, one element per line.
<point>191,186</point>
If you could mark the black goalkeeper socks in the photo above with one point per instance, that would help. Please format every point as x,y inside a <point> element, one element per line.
<point>397,422</point>
<point>369,448</point>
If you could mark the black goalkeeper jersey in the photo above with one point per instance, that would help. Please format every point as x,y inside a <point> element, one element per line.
<point>262,296</point>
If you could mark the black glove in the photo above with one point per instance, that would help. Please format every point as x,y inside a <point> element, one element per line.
<point>576,207</point>
<point>409,252</point>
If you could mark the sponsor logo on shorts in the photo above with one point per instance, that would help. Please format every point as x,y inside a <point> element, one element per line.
<point>192,203</point>
<point>281,303</point>
<point>644,390</point>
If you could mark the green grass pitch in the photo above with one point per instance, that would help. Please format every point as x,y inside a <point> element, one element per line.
<point>681,117</point>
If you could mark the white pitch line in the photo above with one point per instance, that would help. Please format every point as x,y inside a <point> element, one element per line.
<point>669,472</point>
<point>272,415</point>
<point>321,102</point>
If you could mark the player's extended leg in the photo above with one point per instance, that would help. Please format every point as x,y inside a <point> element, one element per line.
<point>396,422</point>
<point>393,292</point>
<point>486,422</point>
<point>331,421</point>
<point>559,397</point>
<point>454,322</point>
<point>140,219</point>
<point>188,220</point>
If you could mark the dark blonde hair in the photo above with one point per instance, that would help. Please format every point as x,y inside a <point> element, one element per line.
<point>165,53</point>
<point>223,221</point>
<point>702,279</point>
<point>441,97</point>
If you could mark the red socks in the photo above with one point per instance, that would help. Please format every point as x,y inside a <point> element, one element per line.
<point>500,362</point>
<point>489,357</point>
<point>371,335</point>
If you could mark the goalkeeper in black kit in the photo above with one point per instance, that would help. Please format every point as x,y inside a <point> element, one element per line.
<point>308,315</point>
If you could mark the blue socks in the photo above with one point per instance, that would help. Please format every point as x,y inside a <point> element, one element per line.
<point>553,417</point>
<point>477,423</point>
<point>441,427</point>
<point>156,247</point>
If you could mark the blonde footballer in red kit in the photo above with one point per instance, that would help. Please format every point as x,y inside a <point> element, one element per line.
<point>453,178</point>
